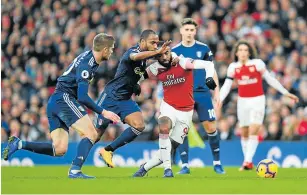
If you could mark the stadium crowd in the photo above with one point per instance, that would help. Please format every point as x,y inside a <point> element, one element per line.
<point>40,38</point>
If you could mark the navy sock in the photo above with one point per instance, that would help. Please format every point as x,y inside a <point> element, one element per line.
<point>39,147</point>
<point>214,141</point>
<point>126,137</point>
<point>83,149</point>
<point>184,151</point>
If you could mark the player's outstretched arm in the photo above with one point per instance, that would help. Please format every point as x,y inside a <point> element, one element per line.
<point>227,84</point>
<point>272,81</point>
<point>149,54</point>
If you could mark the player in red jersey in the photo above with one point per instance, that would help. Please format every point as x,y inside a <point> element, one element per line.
<point>249,73</point>
<point>177,106</point>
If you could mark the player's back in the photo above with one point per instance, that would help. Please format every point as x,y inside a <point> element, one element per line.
<point>178,87</point>
<point>82,68</point>
<point>127,75</point>
<point>198,51</point>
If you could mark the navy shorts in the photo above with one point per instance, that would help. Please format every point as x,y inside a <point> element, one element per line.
<point>120,107</point>
<point>203,106</point>
<point>63,110</point>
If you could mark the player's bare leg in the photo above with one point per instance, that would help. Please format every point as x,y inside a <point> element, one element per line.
<point>58,148</point>
<point>87,131</point>
<point>137,125</point>
<point>214,141</point>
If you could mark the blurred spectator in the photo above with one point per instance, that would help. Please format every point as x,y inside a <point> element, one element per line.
<point>39,39</point>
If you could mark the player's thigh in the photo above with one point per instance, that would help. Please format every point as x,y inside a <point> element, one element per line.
<point>243,112</point>
<point>52,113</point>
<point>168,111</point>
<point>85,128</point>
<point>131,114</point>
<point>109,104</point>
<point>204,107</point>
<point>182,126</point>
<point>257,110</point>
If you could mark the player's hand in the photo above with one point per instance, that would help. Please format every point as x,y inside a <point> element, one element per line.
<point>175,61</point>
<point>163,48</point>
<point>110,115</point>
<point>210,83</point>
<point>292,96</point>
<point>137,89</point>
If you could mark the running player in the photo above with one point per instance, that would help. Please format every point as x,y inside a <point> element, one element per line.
<point>117,94</point>
<point>249,72</point>
<point>65,109</point>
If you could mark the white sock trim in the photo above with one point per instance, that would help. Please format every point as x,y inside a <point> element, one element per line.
<point>217,162</point>
<point>185,165</point>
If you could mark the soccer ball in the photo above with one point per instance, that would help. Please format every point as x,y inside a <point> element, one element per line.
<point>267,168</point>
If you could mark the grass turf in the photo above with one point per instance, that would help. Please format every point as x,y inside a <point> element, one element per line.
<point>53,180</point>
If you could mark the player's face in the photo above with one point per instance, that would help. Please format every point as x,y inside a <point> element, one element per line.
<point>243,52</point>
<point>188,32</point>
<point>107,51</point>
<point>165,59</point>
<point>151,43</point>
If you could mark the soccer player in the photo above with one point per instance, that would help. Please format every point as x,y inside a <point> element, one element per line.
<point>117,94</point>
<point>191,48</point>
<point>249,71</point>
<point>177,106</point>
<point>65,108</point>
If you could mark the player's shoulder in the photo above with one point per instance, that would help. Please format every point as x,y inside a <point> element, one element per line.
<point>136,48</point>
<point>258,63</point>
<point>87,58</point>
<point>202,45</point>
<point>234,65</point>
<point>176,47</point>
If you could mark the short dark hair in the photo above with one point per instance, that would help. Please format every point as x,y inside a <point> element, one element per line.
<point>252,51</point>
<point>188,21</point>
<point>145,34</point>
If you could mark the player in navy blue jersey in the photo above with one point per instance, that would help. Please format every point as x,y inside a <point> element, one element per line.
<point>191,48</point>
<point>65,109</point>
<point>117,94</point>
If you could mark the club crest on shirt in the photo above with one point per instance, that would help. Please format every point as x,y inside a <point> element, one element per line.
<point>198,54</point>
<point>138,71</point>
<point>252,69</point>
<point>237,70</point>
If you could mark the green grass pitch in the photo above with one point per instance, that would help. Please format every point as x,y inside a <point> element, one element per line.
<point>53,180</point>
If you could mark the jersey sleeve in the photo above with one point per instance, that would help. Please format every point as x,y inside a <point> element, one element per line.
<point>260,65</point>
<point>208,55</point>
<point>154,69</point>
<point>83,73</point>
<point>231,71</point>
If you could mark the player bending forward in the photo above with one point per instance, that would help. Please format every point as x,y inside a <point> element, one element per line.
<point>251,101</point>
<point>176,108</point>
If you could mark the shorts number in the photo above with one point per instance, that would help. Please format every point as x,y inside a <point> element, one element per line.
<point>211,113</point>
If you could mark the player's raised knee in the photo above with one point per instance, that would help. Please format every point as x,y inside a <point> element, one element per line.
<point>138,124</point>
<point>165,125</point>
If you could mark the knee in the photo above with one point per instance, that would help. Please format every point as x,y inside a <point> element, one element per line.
<point>60,149</point>
<point>209,126</point>
<point>138,124</point>
<point>164,129</point>
<point>93,135</point>
<point>164,125</point>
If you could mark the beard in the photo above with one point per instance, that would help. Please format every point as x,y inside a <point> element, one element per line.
<point>167,65</point>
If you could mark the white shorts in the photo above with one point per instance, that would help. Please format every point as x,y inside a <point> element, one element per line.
<point>181,121</point>
<point>251,110</point>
